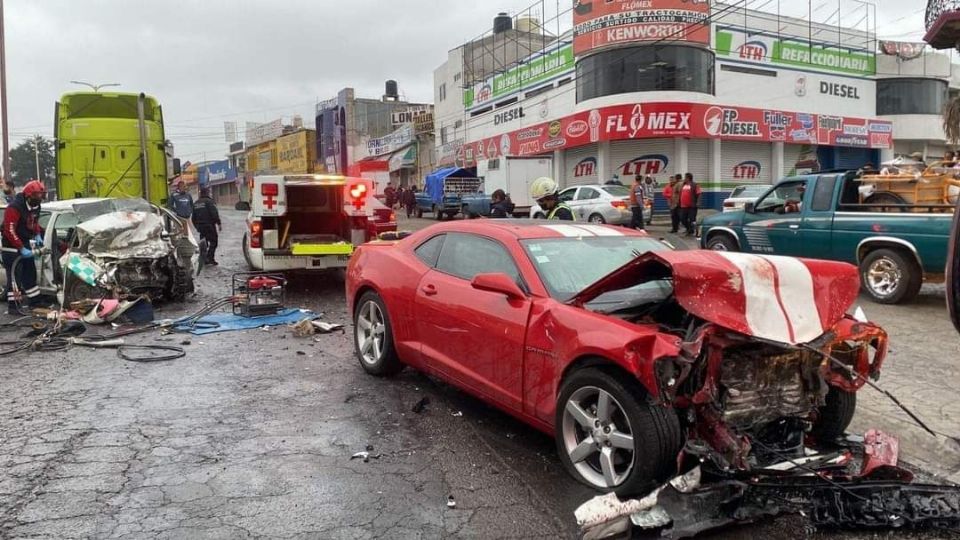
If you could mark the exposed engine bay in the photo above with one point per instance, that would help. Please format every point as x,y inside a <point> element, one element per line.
<point>125,248</point>
<point>744,400</point>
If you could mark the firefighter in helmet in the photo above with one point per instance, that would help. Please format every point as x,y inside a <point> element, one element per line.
<point>21,224</point>
<point>545,191</point>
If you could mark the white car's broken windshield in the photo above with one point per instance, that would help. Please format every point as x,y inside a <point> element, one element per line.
<point>90,210</point>
<point>569,265</point>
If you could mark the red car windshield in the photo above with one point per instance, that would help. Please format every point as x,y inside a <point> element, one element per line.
<point>569,265</point>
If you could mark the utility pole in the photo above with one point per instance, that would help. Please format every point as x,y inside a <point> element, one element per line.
<point>3,97</point>
<point>36,153</point>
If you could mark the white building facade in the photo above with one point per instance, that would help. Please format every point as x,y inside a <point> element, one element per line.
<point>733,97</point>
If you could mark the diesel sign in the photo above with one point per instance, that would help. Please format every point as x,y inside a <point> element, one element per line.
<point>839,90</point>
<point>508,116</point>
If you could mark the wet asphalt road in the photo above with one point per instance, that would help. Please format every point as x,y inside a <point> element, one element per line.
<point>251,435</point>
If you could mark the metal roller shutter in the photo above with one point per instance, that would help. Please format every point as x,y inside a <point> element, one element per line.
<point>740,163</point>
<point>799,159</point>
<point>581,166</point>
<point>653,157</point>
<point>698,160</point>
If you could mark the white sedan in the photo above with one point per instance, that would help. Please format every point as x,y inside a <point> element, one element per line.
<point>597,204</point>
<point>742,195</point>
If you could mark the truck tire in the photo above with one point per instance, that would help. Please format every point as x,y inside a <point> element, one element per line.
<point>452,215</point>
<point>437,214</point>
<point>890,277</point>
<point>419,213</point>
<point>835,415</point>
<point>883,198</point>
<point>722,242</point>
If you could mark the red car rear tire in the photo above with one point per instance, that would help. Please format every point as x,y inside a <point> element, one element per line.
<point>612,437</point>
<point>373,337</point>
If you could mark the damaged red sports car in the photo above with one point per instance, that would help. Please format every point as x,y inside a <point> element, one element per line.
<point>630,354</point>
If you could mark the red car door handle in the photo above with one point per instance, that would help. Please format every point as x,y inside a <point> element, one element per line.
<point>429,290</point>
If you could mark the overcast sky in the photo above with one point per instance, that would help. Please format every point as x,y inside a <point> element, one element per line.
<point>210,61</point>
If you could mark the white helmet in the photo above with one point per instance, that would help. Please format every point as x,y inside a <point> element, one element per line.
<point>543,187</point>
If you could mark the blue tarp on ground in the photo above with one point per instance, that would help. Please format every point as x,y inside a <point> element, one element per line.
<point>436,179</point>
<point>228,322</point>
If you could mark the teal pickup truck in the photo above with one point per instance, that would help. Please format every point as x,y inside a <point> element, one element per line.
<point>896,247</point>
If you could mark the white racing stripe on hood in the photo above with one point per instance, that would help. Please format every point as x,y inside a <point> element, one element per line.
<point>599,230</point>
<point>763,314</point>
<point>570,231</point>
<point>796,293</point>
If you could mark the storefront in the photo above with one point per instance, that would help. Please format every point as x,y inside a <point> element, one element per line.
<point>623,103</point>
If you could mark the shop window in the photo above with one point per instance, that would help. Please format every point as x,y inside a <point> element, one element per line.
<point>645,69</point>
<point>911,96</point>
<point>748,70</point>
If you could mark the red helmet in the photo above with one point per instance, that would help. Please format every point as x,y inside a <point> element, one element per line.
<point>34,187</point>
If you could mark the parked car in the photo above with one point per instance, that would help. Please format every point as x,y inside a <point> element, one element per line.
<point>625,351</point>
<point>741,195</point>
<point>128,247</point>
<point>598,204</point>
<point>820,216</point>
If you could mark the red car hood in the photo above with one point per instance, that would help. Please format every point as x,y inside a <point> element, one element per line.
<point>780,299</point>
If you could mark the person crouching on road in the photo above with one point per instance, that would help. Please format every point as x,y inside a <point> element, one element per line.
<point>545,191</point>
<point>181,202</point>
<point>501,206</point>
<point>637,201</point>
<point>206,218</point>
<point>21,223</point>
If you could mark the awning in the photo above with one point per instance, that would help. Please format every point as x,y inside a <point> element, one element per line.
<point>404,158</point>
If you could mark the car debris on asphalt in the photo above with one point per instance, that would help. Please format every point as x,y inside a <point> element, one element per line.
<point>882,495</point>
<point>421,405</point>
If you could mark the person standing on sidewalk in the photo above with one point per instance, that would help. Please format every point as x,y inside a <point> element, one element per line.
<point>638,199</point>
<point>206,218</point>
<point>409,200</point>
<point>689,199</point>
<point>671,194</point>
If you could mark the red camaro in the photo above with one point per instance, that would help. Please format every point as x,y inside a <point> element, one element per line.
<point>633,356</point>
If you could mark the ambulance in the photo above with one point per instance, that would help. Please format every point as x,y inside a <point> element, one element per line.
<point>310,222</point>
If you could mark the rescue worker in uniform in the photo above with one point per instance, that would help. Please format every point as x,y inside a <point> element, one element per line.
<point>206,218</point>
<point>545,191</point>
<point>21,223</point>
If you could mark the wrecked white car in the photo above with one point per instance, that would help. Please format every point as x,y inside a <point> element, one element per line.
<point>117,248</point>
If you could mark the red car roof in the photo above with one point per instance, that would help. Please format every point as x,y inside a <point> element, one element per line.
<point>528,229</point>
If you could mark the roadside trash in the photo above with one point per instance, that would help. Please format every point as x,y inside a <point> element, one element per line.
<point>451,502</point>
<point>301,353</point>
<point>185,342</point>
<point>369,448</point>
<point>310,326</point>
<point>421,405</point>
<point>302,329</point>
<point>457,414</point>
<point>365,456</point>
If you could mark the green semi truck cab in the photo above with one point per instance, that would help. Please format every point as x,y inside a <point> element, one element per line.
<point>112,145</point>
<point>820,217</point>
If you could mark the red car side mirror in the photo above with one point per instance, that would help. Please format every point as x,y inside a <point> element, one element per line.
<point>953,271</point>
<point>498,283</point>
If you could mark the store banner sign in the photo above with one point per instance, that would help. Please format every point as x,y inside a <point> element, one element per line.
<point>693,120</point>
<point>535,70</point>
<point>258,133</point>
<point>602,23</point>
<point>293,153</point>
<point>218,172</point>
<point>447,154</point>
<point>764,49</point>
<point>391,143</point>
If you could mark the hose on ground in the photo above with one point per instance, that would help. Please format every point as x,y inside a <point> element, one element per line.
<point>124,352</point>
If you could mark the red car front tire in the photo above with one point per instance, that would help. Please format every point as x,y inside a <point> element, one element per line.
<point>611,437</point>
